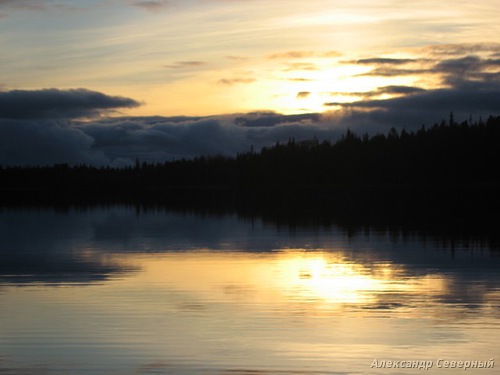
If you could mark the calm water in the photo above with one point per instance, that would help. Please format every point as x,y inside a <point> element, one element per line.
<point>117,291</point>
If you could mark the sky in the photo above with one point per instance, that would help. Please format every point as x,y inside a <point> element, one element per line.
<point>108,81</point>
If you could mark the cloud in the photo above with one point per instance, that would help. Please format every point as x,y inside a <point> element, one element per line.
<point>303,54</point>
<point>128,139</point>
<point>392,90</point>
<point>390,67</point>
<point>461,65</point>
<point>425,107</point>
<point>23,4</point>
<point>59,104</point>
<point>300,66</point>
<point>236,58</point>
<point>39,127</point>
<point>398,90</point>
<point>468,68</point>
<point>394,72</point>
<point>35,6</point>
<point>267,119</point>
<point>303,94</point>
<point>185,64</point>
<point>472,98</point>
<point>35,126</point>
<point>450,70</point>
<point>44,256</point>
<point>46,142</point>
<point>331,54</point>
<point>467,85</point>
<point>151,5</point>
<point>234,81</point>
<point>299,79</point>
<point>120,141</point>
<point>384,61</point>
<point>291,55</point>
<point>461,49</point>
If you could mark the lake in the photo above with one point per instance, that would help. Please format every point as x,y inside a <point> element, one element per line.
<point>124,290</point>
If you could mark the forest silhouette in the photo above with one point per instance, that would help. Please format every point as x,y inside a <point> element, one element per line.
<point>442,181</point>
<point>446,154</point>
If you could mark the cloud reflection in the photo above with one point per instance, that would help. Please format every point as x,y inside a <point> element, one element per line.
<point>213,294</point>
<point>323,266</point>
<point>311,282</point>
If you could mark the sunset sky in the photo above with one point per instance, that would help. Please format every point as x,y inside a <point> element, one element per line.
<point>85,75</point>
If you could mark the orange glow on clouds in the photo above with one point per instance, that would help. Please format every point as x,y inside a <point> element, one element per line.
<point>216,57</point>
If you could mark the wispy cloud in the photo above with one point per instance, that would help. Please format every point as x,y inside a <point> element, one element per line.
<point>303,54</point>
<point>442,50</point>
<point>384,61</point>
<point>38,5</point>
<point>422,107</point>
<point>185,64</point>
<point>398,90</point>
<point>291,55</point>
<point>391,90</point>
<point>467,84</point>
<point>235,81</point>
<point>300,66</point>
<point>394,72</point>
<point>451,69</point>
<point>468,68</point>
<point>150,5</point>
<point>299,79</point>
<point>24,4</point>
<point>393,67</point>
<point>236,58</point>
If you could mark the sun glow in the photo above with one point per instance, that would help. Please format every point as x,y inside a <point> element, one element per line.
<point>324,279</point>
<point>287,82</point>
<point>332,280</point>
<point>308,87</point>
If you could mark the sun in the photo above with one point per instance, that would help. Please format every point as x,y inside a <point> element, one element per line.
<point>306,89</point>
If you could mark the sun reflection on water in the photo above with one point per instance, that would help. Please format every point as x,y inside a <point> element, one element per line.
<point>317,278</point>
<point>287,277</point>
<point>283,309</point>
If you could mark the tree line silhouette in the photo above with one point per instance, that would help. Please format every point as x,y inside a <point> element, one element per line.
<point>441,180</point>
<point>446,154</point>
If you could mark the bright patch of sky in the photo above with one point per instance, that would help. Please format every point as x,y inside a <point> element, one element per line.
<point>219,56</point>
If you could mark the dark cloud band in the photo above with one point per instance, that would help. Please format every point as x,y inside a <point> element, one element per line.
<point>59,104</point>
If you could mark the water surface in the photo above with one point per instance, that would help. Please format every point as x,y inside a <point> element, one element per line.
<point>117,290</point>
